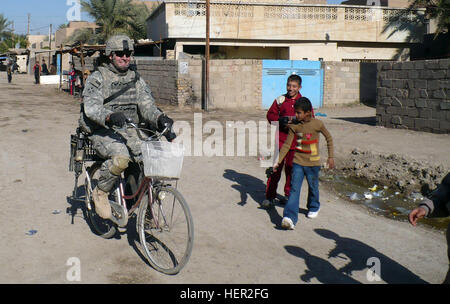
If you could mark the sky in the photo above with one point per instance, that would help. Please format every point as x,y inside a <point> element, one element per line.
<point>46,12</point>
<point>43,13</point>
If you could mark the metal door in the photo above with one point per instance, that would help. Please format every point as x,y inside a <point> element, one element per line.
<point>276,72</point>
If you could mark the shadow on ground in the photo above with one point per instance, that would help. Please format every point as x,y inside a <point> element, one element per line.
<point>358,253</point>
<point>371,120</point>
<point>248,185</point>
<point>77,203</point>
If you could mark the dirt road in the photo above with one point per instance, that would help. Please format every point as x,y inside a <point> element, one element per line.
<point>235,240</point>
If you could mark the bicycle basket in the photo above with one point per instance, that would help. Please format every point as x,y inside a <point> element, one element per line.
<point>162,160</point>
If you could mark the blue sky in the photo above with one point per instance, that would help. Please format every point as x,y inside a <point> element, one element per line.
<point>45,12</point>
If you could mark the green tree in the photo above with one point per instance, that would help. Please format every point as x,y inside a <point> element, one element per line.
<point>8,43</point>
<point>83,36</point>
<point>117,17</point>
<point>414,19</point>
<point>4,24</point>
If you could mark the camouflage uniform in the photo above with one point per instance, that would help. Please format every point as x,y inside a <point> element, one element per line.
<point>136,103</point>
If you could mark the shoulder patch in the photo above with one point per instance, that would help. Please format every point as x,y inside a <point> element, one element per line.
<point>280,99</point>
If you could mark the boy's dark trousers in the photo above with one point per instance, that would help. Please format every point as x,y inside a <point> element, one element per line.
<point>272,182</point>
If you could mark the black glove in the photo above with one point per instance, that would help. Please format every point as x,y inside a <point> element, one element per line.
<point>269,171</point>
<point>117,119</point>
<point>295,121</point>
<point>283,121</point>
<point>170,136</point>
<point>163,122</point>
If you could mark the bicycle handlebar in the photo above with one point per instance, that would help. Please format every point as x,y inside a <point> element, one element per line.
<point>167,132</point>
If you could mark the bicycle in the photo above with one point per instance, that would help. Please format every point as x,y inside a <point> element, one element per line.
<point>164,222</point>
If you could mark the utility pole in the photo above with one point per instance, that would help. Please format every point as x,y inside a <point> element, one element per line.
<point>28,28</point>
<point>13,40</point>
<point>49,45</point>
<point>205,106</point>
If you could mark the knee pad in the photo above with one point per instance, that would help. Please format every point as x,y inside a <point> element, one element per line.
<point>119,164</point>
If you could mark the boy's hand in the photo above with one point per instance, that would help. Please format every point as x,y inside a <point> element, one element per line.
<point>330,162</point>
<point>275,167</point>
<point>416,214</point>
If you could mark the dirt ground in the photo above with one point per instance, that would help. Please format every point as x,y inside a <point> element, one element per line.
<point>235,240</point>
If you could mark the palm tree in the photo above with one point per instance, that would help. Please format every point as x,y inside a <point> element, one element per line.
<point>117,17</point>
<point>414,21</point>
<point>82,36</point>
<point>4,23</point>
<point>8,43</point>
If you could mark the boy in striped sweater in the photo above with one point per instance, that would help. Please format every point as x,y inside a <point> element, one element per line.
<point>306,161</point>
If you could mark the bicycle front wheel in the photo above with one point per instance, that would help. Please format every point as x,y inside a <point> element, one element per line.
<point>166,230</point>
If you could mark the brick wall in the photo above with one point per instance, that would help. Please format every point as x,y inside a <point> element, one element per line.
<point>414,95</point>
<point>349,82</point>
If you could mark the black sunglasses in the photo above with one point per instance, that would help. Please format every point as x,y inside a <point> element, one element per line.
<point>121,53</point>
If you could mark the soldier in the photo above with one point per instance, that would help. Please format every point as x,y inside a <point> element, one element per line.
<point>111,95</point>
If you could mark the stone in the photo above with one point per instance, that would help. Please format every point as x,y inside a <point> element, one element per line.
<point>396,120</point>
<point>412,112</point>
<point>396,102</point>
<point>381,92</point>
<point>386,83</point>
<point>433,85</point>
<point>419,64</point>
<point>387,101</point>
<point>445,105</point>
<point>439,94</point>
<point>425,113</point>
<point>432,64</point>
<point>413,74</point>
<point>421,103</point>
<point>423,93</point>
<point>420,84</point>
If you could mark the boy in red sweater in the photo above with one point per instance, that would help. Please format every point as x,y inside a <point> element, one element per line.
<point>282,110</point>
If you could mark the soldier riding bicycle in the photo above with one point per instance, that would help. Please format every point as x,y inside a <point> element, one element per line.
<point>113,94</point>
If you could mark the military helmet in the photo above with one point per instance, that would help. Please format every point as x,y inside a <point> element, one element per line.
<point>119,43</point>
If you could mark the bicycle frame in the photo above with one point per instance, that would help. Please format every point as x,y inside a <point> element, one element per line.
<point>144,186</point>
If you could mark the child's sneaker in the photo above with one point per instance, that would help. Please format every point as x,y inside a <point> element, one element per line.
<point>267,203</point>
<point>287,223</point>
<point>312,214</point>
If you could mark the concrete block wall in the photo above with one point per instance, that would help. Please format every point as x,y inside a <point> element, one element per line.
<point>162,77</point>
<point>414,95</point>
<point>348,82</point>
<point>233,83</point>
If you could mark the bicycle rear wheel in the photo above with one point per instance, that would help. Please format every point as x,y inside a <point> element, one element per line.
<point>105,228</point>
<point>166,230</point>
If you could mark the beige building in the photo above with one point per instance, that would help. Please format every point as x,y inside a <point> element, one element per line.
<point>39,42</point>
<point>273,29</point>
<point>61,35</point>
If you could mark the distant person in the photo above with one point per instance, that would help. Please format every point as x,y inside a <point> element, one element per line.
<point>9,69</point>
<point>282,111</point>
<point>52,69</point>
<point>72,78</point>
<point>44,68</point>
<point>437,205</point>
<point>37,72</point>
<point>306,161</point>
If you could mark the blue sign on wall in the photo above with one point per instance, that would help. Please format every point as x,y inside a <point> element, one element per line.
<point>276,72</point>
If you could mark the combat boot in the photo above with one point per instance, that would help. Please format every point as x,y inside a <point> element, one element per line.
<point>101,201</point>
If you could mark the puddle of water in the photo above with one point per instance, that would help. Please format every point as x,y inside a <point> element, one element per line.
<point>380,199</point>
